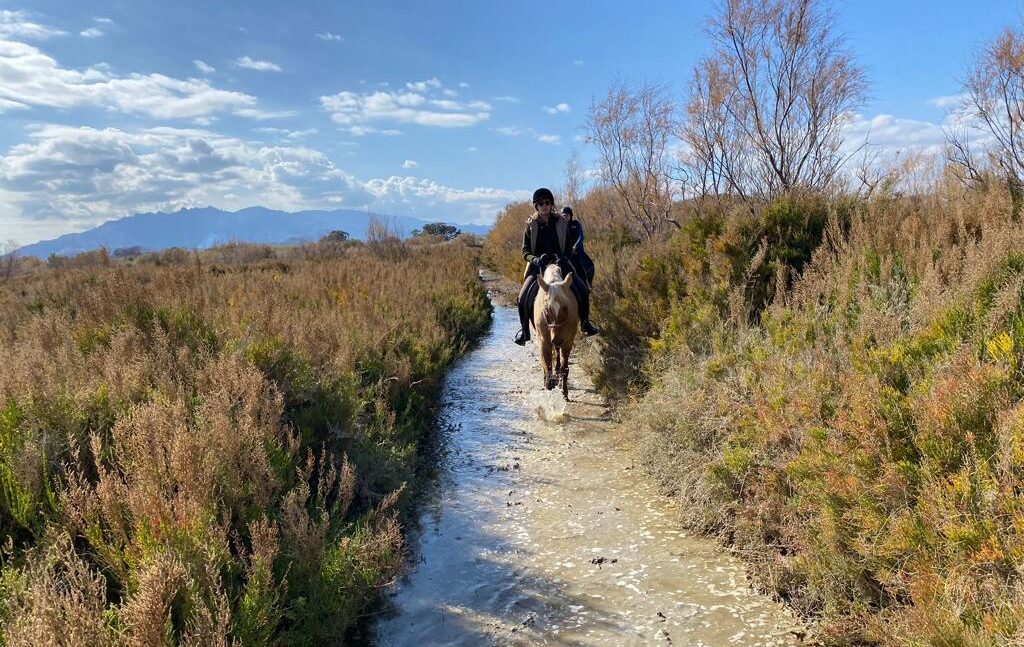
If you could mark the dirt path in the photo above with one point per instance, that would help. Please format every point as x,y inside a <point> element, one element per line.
<point>541,532</point>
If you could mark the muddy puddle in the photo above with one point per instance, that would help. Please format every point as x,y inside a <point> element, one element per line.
<point>541,532</point>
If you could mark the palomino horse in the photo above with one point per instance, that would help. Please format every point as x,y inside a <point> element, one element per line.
<point>556,318</point>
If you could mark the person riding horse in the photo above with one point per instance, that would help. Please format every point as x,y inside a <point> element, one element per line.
<point>549,238</point>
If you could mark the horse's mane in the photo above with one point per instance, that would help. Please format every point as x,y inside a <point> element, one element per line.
<point>553,273</point>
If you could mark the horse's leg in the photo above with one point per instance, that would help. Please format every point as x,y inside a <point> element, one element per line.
<point>565,350</point>
<point>546,359</point>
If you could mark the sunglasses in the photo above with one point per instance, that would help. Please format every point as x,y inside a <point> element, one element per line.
<point>545,203</point>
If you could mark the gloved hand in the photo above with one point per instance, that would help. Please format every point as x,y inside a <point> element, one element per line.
<point>538,262</point>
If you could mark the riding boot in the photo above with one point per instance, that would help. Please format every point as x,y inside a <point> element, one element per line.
<point>523,335</point>
<point>522,304</point>
<point>583,298</point>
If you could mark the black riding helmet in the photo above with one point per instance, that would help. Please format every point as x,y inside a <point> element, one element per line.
<point>541,194</point>
<point>567,212</point>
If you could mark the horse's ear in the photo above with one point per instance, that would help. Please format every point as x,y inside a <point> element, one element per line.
<point>567,282</point>
<point>542,283</point>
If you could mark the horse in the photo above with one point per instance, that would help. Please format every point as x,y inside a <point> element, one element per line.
<point>556,319</point>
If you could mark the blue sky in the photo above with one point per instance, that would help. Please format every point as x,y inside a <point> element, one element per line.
<point>442,110</point>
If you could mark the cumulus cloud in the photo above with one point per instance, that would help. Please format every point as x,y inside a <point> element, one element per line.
<point>94,175</point>
<point>204,67</point>
<point>91,32</point>
<point>72,178</point>
<point>412,195</point>
<point>103,21</point>
<point>19,24</point>
<point>507,99</point>
<point>258,65</point>
<point>409,164</point>
<point>326,35</point>
<point>30,77</point>
<point>560,108</point>
<point>412,106</point>
<point>889,135</point>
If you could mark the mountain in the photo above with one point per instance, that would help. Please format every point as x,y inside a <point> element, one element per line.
<point>207,226</point>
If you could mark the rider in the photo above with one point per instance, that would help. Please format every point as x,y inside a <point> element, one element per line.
<point>580,257</point>
<point>545,240</point>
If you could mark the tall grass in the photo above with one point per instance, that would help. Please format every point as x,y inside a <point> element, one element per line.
<point>834,389</point>
<point>211,448</point>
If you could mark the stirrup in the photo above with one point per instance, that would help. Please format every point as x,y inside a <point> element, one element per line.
<point>521,337</point>
<point>588,328</point>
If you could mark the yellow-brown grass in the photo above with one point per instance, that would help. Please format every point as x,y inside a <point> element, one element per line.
<point>849,421</point>
<point>208,448</point>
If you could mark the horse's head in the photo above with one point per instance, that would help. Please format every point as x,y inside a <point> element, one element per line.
<point>556,294</point>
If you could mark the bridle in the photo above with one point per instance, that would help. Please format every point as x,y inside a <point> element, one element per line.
<point>559,319</point>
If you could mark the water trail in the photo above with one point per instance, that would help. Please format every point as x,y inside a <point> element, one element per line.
<point>542,532</point>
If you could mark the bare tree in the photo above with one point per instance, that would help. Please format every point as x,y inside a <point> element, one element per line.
<point>767,107</point>
<point>633,129</point>
<point>994,103</point>
<point>573,179</point>
<point>8,258</point>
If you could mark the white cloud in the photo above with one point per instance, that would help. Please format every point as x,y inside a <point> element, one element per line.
<point>204,67</point>
<point>423,86</point>
<point>92,175</point>
<point>30,77</point>
<point>326,35</point>
<point>463,84</point>
<point>577,63</point>
<point>556,109</point>
<point>65,178</point>
<point>515,131</point>
<point>103,21</point>
<point>362,131</point>
<point>889,134</point>
<point>409,164</point>
<point>949,100</point>
<point>260,66</point>
<point>284,133</point>
<point>263,115</point>
<point>7,105</point>
<point>358,110</point>
<point>507,99</point>
<point>91,32</point>
<point>472,149</point>
<point>411,194</point>
<point>18,24</point>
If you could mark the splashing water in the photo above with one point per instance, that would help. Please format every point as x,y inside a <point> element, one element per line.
<point>549,406</point>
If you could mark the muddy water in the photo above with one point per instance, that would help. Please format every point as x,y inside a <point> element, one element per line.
<point>541,532</point>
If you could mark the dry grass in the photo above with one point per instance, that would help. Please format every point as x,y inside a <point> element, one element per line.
<point>848,420</point>
<point>209,449</point>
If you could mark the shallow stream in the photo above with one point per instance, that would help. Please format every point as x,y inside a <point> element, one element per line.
<point>540,531</point>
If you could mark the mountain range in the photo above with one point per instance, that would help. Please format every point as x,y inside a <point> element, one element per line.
<point>208,226</point>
